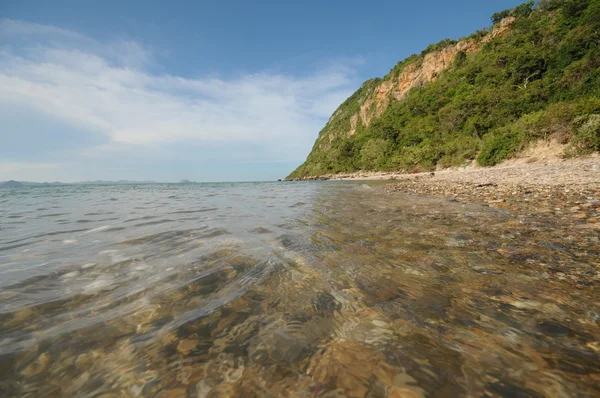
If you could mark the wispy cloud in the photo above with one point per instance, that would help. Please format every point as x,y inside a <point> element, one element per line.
<point>107,88</point>
<point>10,27</point>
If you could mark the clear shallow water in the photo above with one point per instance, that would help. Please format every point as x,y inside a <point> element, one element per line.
<point>289,289</point>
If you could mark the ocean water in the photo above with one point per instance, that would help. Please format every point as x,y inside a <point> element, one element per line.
<point>305,289</point>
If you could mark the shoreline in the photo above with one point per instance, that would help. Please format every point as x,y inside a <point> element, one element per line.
<point>568,191</point>
<point>555,172</point>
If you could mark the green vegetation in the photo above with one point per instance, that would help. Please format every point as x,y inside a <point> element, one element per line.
<point>439,46</point>
<point>587,135</point>
<point>540,80</point>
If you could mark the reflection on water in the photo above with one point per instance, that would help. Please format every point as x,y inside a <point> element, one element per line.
<point>290,289</point>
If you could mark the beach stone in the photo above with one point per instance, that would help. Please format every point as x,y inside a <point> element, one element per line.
<point>553,329</point>
<point>187,345</point>
<point>352,367</point>
<point>403,393</point>
<point>229,321</point>
<point>236,338</point>
<point>589,226</point>
<point>173,393</point>
<point>37,366</point>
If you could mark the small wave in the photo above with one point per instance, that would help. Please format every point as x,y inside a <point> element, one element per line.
<point>5,248</point>
<point>140,218</point>
<point>70,275</point>
<point>195,211</point>
<point>115,229</point>
<point>108,219</point>
<point>102,228</point>
<point>52,215</point>
<point>144,224</point>
<point>70,231</point>
<point>98,285</point>
<point>171,235</point>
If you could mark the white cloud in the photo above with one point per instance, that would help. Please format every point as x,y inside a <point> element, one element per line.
<point>107,88</point>
<point>10,27</point>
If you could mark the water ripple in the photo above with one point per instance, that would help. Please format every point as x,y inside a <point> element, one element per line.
<point>266,289</point>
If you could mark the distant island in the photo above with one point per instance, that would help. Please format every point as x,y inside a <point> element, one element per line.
<point>11,184</point>
<point>122,182</point>
<point>20,184</point>
<point>532,76</point>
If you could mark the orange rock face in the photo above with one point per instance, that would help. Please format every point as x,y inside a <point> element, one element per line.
<point>419,74</point>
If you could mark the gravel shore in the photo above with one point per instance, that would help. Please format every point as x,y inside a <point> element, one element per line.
<point>584,171</point>
<point>568,191</point>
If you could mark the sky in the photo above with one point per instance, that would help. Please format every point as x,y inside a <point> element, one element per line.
<point>204,91</point>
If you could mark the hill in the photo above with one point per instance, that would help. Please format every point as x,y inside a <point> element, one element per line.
<point>534,75</point>
<point>11,184</point>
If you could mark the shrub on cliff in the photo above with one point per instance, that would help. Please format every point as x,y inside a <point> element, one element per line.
<point>522,10</point>
<point>587,135</point>
<point>500,145</point>
<point>373,154</point>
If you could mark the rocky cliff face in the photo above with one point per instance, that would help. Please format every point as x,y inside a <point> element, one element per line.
<point>396,87</point>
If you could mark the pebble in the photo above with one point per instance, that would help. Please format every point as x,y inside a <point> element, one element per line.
<point>37,366</point>
<point>187,345</point>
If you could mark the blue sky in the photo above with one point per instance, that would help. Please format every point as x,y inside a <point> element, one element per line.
<point>206,91</point>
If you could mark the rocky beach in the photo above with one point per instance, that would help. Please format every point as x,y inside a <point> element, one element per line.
<point>569,191</point>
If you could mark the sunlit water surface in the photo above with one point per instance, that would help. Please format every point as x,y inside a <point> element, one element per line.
<point>287,289</point>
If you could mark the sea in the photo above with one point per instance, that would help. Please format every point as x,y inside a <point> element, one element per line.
<point>287,289</point>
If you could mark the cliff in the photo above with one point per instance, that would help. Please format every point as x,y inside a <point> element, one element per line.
<point>534,73</point>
